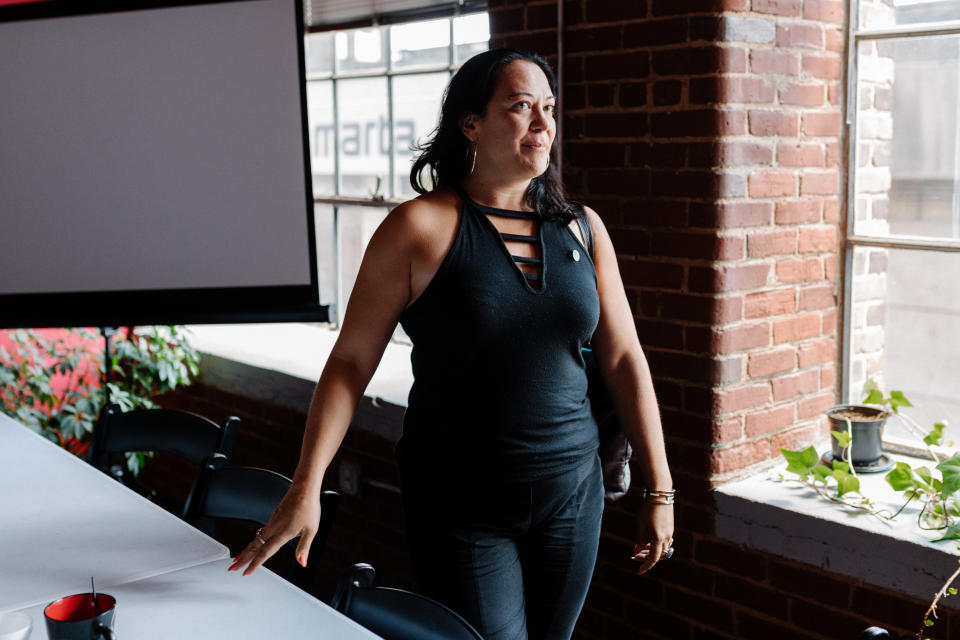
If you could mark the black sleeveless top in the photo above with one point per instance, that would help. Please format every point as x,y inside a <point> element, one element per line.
<point>500,390</point>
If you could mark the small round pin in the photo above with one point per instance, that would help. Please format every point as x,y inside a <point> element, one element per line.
<point>575,255</point>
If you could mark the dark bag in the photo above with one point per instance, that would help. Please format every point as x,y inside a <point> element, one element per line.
<point>615,451</point>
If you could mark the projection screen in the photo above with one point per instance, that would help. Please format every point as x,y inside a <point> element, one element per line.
<point>154,164</point>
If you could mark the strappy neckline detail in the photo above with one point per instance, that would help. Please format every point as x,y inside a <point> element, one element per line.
<point>525,277</point>
<point>506,213</point>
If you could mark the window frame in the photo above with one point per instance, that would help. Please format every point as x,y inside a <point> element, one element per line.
<point>380,200</point>
<point>851,241</point>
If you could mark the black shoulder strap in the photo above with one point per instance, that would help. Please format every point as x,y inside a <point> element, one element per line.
<point>586,229</point>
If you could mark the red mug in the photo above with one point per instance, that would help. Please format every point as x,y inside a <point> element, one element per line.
<point>76,618</point>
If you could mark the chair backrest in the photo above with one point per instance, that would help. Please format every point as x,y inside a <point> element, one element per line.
<point>185,434</point>
<point>252,494</point>
<point>396,614</point>
<point>181,433</point>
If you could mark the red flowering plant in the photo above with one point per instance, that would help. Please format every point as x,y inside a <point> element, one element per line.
<point>51,379</point>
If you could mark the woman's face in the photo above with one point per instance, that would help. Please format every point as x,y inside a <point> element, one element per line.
<point>515,135</point>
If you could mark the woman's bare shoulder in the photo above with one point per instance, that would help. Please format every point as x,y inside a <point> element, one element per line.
<point>427,220</point>
<point>428,208</point>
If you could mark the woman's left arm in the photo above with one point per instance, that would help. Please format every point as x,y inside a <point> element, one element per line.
<point>627,376</point>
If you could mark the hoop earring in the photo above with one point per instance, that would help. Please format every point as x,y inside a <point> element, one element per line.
<point>471,158</point>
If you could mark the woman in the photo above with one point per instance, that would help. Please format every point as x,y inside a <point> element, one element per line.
<point>488,275</point>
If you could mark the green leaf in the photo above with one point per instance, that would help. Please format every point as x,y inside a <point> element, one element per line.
<point>839,465</point>
<point>935,437</point>
<point>874,397</point>
<point>897,400</point>
<point>901,477</point>
<point>840,476</point>
<point>951,475</point>
<point>952,591</point>
<point>800,462</point>
<point>849,484</point>
<point>843,438</point>
<point>925,475</point>
<point>953,533</point>
<point>822,472</point>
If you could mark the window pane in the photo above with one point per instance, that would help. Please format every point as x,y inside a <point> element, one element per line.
<point>318,49</point>
<point>326,253</point>
<point>906,311</point>
<point>320,127</point>
<point>420,44</point>
<point>471,35</point>
<point>878,14</point>
<point>361,50</point>
<point>364,136</point>
<point>357,225</point>
<point>907,175</point>
<point>416,110</point>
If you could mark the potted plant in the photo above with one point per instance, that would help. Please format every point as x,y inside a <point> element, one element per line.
<point>856,432</point>
<point>856,436</point>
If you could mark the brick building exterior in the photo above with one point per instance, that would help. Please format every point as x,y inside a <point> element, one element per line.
<point>708,136</point>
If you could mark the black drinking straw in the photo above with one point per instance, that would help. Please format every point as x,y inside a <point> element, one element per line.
<point>96,608</point>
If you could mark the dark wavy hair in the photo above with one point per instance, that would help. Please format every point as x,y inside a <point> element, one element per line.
<point>445,151</point>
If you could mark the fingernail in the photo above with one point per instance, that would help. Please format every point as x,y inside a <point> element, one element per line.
<point>303,561</point>
<point>636,548</point>
<point>248,571</point>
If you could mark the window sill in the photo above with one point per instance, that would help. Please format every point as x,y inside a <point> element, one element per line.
<point>789,520</point>
<point>281,363</point>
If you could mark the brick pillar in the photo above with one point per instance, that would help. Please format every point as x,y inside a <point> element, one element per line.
<point>707,136</point>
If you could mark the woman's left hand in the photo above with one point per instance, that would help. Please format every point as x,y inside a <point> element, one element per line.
<point>655,535</point>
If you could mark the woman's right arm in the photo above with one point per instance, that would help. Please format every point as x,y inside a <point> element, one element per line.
<point>380,294</point>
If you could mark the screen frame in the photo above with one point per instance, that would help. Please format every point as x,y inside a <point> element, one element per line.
<point>279,303</point>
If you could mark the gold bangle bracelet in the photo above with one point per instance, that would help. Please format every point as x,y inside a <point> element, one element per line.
<point>658,497</point>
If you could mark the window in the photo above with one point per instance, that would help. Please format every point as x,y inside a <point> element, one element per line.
<point>902,259</point>
<point>372,94</point>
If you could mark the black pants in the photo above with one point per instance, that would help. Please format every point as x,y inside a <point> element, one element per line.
<point>514,560</point>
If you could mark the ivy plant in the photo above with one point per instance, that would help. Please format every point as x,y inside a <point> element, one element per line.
<point>54,386</point>
<point>937,493</point>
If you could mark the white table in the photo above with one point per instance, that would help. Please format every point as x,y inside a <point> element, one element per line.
<point>206,602</point>
<point>62,521</point>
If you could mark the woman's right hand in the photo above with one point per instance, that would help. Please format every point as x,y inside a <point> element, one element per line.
<point>298,514</point>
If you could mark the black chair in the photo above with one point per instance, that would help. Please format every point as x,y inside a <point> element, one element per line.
<point>187,435</point>
<point>251,494</point>
<point>395,614</point>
